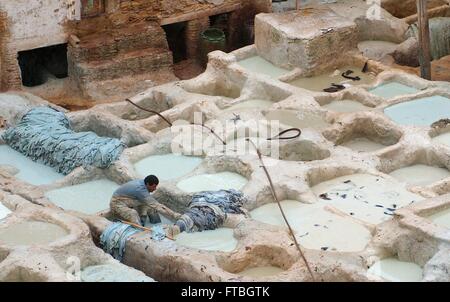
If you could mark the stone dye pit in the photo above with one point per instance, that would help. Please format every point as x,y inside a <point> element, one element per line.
<point>392,90</point>
<point>420,112</point>
<point>364,186</point>
<point>369,198</point>
<point>31,232</point>
<point>259,65</point>
<point>212,182</point>
<point>28,170</point>
<point>221,239</point>
<point>89,198</point>
<point>420,175</point>
<point>323,81</point>
<point>167,166</point>
<point>392,269</point>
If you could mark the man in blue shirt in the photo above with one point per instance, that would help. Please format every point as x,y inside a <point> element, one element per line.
<point>132,202</point>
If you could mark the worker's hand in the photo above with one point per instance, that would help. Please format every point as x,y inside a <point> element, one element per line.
<point>178,216</point>
<point>172,231</point>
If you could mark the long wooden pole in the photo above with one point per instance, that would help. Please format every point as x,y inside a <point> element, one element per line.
<point>424,39</point>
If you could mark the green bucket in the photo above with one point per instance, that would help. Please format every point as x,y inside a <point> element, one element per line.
<point>211,39</point>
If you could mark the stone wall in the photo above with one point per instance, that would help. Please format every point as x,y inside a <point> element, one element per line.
<point>405,8</point>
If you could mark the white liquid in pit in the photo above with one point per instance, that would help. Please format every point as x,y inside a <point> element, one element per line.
<point>260,272</point>
<point>420,112</point>
<point>213,182</point>
<point>441,218</point>
<point>221,239</point>
<point>29,171</point>
<point>320,82</point>
<point>257,64</point>
<point>391,90</point>
<point>89,198</point>
<point>4,211</point>
<point>112,273</point>
<point>31,232</point>
<point>420,175</point>
<point>250,104</point>
<point>315,227</point>
<point>369,198</point>
<point>392,269</point>
<point>376,49</point>
<point>167,166</point>
<point>299,120</point>
<point>346,106</point>
<point>362,144</point>
<point>442,139</point>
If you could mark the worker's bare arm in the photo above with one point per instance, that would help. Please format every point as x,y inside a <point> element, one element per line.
<point>162,209</point>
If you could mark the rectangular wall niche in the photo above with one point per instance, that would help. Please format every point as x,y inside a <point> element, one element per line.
<point>38,65</point>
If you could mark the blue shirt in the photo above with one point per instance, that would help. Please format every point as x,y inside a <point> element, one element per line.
<point>135,189</point>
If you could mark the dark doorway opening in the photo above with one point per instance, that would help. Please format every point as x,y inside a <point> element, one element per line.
<point>36,65</point>
<point>176,37</point>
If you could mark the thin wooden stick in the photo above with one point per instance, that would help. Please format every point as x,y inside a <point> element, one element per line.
<point>281,209</point>
<point>424,39</point>
<point>141,227</point>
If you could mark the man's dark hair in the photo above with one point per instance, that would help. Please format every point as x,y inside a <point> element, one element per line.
<point>151,180</point>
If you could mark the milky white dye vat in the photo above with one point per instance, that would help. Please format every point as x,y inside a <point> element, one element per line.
<point>30,171</point>
<point>315,227</point>
<point>220,239</point>
<point>213,182</point>
<point>366,197</point>
<point>167,166</point>
<point>441,218</point>
<point>4,211</point>
<point>392,269</point>
<point>420,112</point>
<point>442,139</point>
<point>391,90</point>
<point>298,119</point>
<point>362,144</point>
<point>31,232</point>
<point>89,198</point>
<point>260,272</point>
<point>251,104</point>
<point>257,64</point>
<point>346,106</point>
<point>320,82</point>
<point>420,175</point>
<point>112,273</point>
<point>376,49</point>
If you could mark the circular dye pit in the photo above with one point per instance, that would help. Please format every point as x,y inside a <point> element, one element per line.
<point>320,82</point>
<point>420,112</point>
<point>362,144</point>
<point>89,198</point>
<point>392,269</point>
<point>213,182</point>
<point>257,64</point>
<point>392,90</point>
<point>420,175</point>
<point>29,171</point>
<point>346,106</point>
<point>369,198</point>
<point>251,104</point>
<point>315,227</point>
<point>261,272</point>
<point>31,232</point>
<point>167,166</point>
<point>112,273</point>
<point>442,139</point>
<point>298,119</point>
<point>221,239</point>
<point>441,218</point>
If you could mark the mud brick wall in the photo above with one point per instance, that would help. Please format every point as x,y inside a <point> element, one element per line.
<point>9,72</point>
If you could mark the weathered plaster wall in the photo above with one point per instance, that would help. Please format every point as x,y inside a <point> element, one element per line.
<point>28,25</point>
